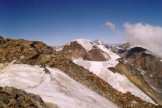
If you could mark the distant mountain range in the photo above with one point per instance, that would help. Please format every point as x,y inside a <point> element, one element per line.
<point>79,74</point>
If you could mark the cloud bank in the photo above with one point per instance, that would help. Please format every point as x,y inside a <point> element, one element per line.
<point>111,26</point>
<point>145,35</point>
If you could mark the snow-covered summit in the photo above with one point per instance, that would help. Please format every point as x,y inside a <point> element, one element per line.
<point>87,44</point>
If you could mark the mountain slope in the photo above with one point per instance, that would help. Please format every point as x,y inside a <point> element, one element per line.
<point>15,98</point>
<point>144,69</point>
<point>52,86</point>
<point>98,82</point>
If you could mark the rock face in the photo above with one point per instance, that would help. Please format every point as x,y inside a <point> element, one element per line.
<point>144,69</point>
<point>76,50</point>
<point>16,98</point>
<point>150,65</point>
<point>95,54</point>
<point>134,76</point>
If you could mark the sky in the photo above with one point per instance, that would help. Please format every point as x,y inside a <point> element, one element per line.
<point>58,21</point>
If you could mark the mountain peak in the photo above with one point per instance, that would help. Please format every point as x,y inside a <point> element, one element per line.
<point>87,44</point>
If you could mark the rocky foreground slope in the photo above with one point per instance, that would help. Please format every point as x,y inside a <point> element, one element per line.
<point>15,98</point>
<point>59,77</point>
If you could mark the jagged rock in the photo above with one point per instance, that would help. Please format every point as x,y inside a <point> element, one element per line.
<point>15,98</point>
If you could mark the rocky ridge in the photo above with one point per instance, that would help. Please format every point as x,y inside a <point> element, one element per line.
<point>85,49</point>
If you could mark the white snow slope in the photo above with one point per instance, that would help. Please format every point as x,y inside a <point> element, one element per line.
<point>116,80</point>
<point>54,87</point>
<point>86,44</point>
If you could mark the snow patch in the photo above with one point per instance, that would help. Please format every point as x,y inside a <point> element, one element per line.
<point>54,87</point>
<point>88,45</point>
<point>108,51</point>
<point>116,80</point>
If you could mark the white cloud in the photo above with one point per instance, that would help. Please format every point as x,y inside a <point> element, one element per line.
<point>111,26</point>
<point>145,35</point>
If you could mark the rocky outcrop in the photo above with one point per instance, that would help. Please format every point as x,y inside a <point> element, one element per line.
<point>15,98</point>
<point>96,54</point>
<point>135,76</point>
<point>75,50</point>
<point>22,50</point>
<point>149,66</point>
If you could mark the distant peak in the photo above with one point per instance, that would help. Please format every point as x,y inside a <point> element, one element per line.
<point>87,44</point>
<point>98,42</point>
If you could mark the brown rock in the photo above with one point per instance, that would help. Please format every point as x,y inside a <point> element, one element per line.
<point>149,64</point>
<point>75,50</point>
<point>22,50</point>
<point>97,55</point>
<point>15,98</point>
